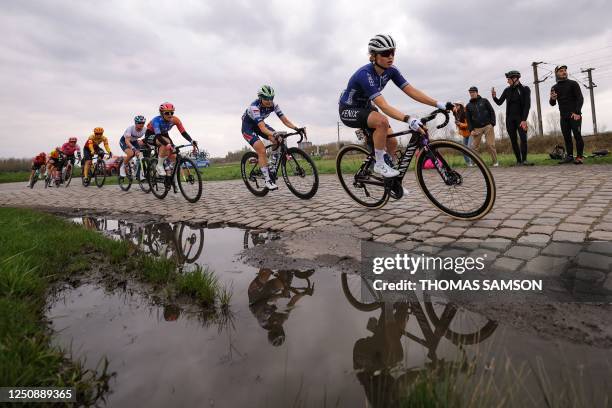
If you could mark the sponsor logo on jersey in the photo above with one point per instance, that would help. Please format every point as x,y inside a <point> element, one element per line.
<point>349,113</point>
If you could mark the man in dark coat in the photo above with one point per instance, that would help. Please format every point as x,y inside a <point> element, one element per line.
<point>518,101</point>
<point>569,96</point>
<point>481,120</point>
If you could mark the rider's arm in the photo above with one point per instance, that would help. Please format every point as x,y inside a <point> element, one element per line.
<point>127,136</point>
<point>106,146</point>
<point>262,127</point>
<point>381,102</point>
<point>90,145</point>
<point>288,123</point>
<point>526,103</point>
<point>418,96</point>
<point>181,128</point>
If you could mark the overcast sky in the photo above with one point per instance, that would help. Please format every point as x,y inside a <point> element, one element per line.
<point>68,66</point>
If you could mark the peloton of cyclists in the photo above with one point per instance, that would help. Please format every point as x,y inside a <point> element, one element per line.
<point>61,155</point>
<point>254,127</point>
<point>157,134</point>
<point>360,101</point>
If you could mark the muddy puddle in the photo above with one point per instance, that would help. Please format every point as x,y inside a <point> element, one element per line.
<point>293,337</point>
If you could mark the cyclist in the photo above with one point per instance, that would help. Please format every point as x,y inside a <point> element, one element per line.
<point>130,142</point>
<point>70,148</point>
<point>254,127</point>
<point>365,86</point>
<point>92,147</point>
<point>56,161</point>
<point>157,134</point>
<point>37,162</point>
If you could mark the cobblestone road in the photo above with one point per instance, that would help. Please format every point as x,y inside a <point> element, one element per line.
<point>535,205</point>
<point>542,216</point>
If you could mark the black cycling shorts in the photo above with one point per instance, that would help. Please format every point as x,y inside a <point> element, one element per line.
<point>356,117</point>
<point>87,154</point>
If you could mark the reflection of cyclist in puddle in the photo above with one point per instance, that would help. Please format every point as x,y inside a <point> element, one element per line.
<point>266,293</point>
<point>375,356</point>
<point>377,359</point>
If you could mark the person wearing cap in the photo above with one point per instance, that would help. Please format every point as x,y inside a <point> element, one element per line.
<point>518,102</point>
<point>569,96</point>
<point>462,128</point>
<point>481,121</point>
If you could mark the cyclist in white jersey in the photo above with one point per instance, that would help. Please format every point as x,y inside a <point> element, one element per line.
<point>130,142</point>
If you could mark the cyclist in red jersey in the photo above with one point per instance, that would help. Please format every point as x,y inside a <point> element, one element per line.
<point>37,162</point>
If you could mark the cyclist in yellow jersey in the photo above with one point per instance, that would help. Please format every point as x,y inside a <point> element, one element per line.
<point>92,148</point>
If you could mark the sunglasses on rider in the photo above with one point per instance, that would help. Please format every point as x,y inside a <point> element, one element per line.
<point>265,98</point>
<point>386,54</point>
<point>168,113</point>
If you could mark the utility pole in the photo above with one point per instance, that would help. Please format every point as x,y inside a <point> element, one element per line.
<point>590,88</point>
<point>338,143</point>
<point>536,82</point>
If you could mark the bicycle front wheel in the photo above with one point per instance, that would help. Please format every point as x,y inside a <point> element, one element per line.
<point>100,173</point>
<point>467,193</point>
<point>252,175</point>
<point>189,180</point>
<point>300,173</point>
<point>355,169</point>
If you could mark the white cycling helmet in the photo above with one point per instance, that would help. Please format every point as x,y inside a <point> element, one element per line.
<point>380,43</point>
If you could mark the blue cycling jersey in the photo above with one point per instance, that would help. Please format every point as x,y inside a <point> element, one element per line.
<point>256,113</point>
<point>366,84</point>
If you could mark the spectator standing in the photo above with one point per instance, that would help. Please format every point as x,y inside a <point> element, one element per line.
<point>462,128</point>
<point>518,102</point>
<point>481,120</point>
<point>569,96</point>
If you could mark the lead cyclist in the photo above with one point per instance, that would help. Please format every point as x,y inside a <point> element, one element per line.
<point>363,91</point>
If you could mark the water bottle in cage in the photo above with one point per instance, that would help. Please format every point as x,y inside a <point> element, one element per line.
<point>167,165</point>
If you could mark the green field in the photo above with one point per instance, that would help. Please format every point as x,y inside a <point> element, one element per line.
<point>324,166</point>
<point>39,251</point>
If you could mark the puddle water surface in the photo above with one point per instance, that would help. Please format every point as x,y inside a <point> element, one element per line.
<point>294,338</point>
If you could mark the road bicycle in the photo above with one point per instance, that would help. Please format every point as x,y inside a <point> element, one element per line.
<point>183,172</point>
<point>37,175</point>
<point>298,169</point>
<point>462,192</point>
<point>136,168</point>
<point>97,170</point>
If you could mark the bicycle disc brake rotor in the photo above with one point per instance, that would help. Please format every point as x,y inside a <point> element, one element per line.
<point>453,178</point>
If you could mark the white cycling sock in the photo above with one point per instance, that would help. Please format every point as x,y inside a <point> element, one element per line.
<point>380,155</point>
<point>266,173</point>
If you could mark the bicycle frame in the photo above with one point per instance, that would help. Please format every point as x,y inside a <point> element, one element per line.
<point>418,141</point>
<point>283,152</point>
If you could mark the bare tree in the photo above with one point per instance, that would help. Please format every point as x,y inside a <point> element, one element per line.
<point>501,122</point>
<point>553,124</point>
<point>532,128</point>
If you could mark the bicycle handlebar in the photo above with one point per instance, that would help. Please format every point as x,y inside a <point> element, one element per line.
<point>300,132</point>
<point>433,115</point>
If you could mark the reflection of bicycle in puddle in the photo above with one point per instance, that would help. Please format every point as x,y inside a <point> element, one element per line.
<point>253,238</point>
<point>378,358</point>
<point>181,242</point>
<point>267,293</point>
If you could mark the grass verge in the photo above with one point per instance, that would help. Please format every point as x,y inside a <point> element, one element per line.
<point>38,250</point>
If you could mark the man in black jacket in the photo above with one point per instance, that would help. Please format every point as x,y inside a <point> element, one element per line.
<point>569,95</point>
<point>518,101</point>
<point>481,120</point>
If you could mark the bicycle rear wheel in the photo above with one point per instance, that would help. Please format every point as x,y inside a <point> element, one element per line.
<point>466,193</point>
<point>68,175</point>
<point>126,182</point>
<point>157,182</point>
<point>300,173</point>
<point>355,170</point>
<point>143,182</point>
<point>189,180</point>
<point>100,173</point>
<point>252,175</point>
